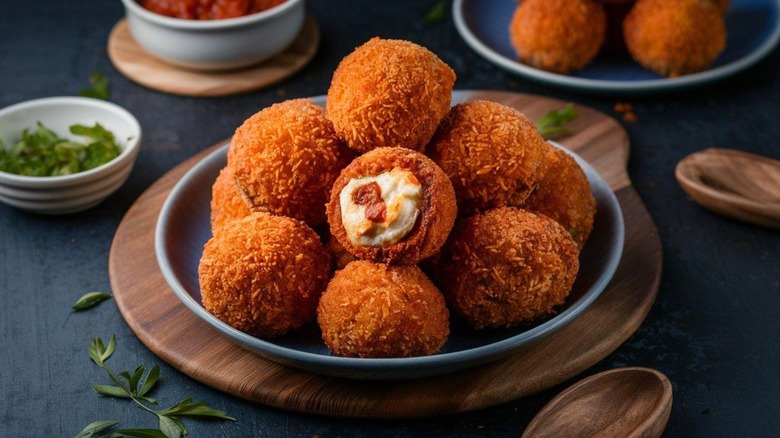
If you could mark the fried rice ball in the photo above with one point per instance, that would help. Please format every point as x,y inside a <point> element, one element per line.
<point>389,93</point>
<point>264,274</point>
<point>564,195</point>
<point>375,310</point>
<point>285,159</point>
<point>492,153</point>
<point>507,266</point>
<point>558,35</point>
<point>675,37</point>
<point>227,204</point>
<point>392,205</point>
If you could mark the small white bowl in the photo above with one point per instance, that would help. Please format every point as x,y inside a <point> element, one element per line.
<point>78,191</point>
<point>213,45</point>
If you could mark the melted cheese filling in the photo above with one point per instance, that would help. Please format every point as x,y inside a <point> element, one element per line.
<point>401,193</point>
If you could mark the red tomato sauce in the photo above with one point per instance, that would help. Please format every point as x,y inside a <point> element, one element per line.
<point>208,9</point>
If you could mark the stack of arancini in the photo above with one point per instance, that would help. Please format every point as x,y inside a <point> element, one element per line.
<point>473,193</point>
<point>669,37</point>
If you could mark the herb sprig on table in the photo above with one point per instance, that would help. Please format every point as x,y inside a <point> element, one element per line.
<point>136,386</point>
<point>553,124</point>
<point>99,89</point>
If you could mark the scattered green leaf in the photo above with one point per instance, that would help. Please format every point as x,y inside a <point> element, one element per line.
<point>99,89</point>
<point>132,388</point>
<point>436,13</point>
<point>90,300</point>
<point>553,124</point>
<point>96,427</point>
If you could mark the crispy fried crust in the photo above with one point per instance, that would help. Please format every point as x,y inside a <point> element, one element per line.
<point>389,93</point>
<point>675,37</point>
<point>492,153</point>
<point>558,35</point>
<point>263,274</point>
<point>374,310</point>
<point>437,212</point>
<point>227,204</point>
<point>285,159</point>
<point>564,195</point>
<point>507,266</point>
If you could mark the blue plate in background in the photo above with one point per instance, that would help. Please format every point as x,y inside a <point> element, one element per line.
<point>753,28</point>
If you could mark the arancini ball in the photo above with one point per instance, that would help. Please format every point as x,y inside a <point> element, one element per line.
<point>506,267</point>
<point>389,93</point>
<point>492,153</point>
<point>564,195</point>
<point>263,274</point>
<point>675,37</point>
<point>558,35</point>
<point>375,310</point>
<point>227,204</point>
<point>392,205</point>
<point>285,159</point>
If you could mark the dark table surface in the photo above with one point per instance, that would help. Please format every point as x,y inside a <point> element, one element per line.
<point>713,330</point>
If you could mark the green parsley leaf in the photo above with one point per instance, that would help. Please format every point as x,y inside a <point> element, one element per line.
<point>96,427</point>
<point>436,13</point>
<point>112,391</point>
<point>99,89</point>
<point>150,381</point>
<point>199,409</point>
<point>553,124</point>
<point>89,300</point>
<point>142,433</point>
<point>169,427</point>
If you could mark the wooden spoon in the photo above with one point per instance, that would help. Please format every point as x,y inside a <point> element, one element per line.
<point>735,184</point>
<point>624,402</point>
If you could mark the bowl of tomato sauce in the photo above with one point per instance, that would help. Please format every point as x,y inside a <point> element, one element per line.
<point>213,35</point>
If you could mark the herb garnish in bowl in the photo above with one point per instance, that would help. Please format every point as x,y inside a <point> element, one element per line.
<point>42,152</point>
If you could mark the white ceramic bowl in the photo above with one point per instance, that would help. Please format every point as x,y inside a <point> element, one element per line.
<point>216,44</point>
<point>79,191</point>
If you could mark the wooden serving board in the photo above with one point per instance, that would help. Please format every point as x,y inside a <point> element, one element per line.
<point>143,68</point>
<point>183,340</point>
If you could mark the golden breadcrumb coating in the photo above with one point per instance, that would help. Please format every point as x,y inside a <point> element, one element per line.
<point>492,153</point>
<point>375,310</point>
<point>227,204</point>
<point>558,35</point>
<point>285,159</point>
<point>438,208</point>
<point>507,266</point>
<point>675,37</point>
<point>263,274</point>
<point>389,93</point>
<point>564,195</point>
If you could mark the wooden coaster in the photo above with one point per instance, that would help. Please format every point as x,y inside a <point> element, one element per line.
<point>189,344</point>
<point>143,68</point>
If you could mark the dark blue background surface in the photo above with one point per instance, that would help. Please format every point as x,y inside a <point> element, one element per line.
<point>714,329</point>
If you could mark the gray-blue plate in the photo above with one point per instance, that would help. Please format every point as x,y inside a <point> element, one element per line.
<point>752,26</point>
<point>183,228</point>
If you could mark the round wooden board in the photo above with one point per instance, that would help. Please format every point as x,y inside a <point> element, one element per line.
<point>141,67</point>
<point>183,340</point>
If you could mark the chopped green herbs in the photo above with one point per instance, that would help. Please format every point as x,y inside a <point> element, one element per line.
<point>135,386</point>
<point>41,152</point>
<point>436,13</point>
<point>553,124</point>
<point>99,89</point>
